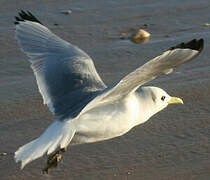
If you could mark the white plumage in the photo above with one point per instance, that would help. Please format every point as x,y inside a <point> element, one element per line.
<point>72,89</point>
<point>57,135</point>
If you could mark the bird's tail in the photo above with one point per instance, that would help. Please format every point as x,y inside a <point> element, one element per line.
<point>58,135</point>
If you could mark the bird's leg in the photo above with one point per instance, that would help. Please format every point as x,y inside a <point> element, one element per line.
<point>53,160</point>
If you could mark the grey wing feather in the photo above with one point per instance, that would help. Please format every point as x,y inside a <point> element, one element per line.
<point>66,76</point>
<point>161,65</point>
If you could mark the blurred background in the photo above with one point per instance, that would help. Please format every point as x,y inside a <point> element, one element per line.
<point>174,144</point>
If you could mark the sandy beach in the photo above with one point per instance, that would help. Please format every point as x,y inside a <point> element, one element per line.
<point>173,144</point>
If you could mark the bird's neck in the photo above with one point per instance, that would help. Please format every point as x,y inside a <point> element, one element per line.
<point>146,109</point>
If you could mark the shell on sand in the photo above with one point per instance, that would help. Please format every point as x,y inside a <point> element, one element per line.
<point>140,36</point>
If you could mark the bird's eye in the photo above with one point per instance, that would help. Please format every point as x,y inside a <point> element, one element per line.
<point>163,98</point>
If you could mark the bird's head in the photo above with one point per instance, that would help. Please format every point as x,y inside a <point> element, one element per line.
<point>157,99</point>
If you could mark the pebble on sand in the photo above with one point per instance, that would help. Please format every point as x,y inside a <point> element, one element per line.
<point>140,36</point>
<point>207,24</point>
<point>3,154</point>
<point>67,12</point>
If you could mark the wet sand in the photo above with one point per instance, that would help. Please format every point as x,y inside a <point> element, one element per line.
<point>174,144</point>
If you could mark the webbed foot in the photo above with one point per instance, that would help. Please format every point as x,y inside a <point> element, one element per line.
<point>53,160</point>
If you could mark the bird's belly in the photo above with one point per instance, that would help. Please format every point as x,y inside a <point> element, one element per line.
<point>99,130</point>
<point>105,123</point>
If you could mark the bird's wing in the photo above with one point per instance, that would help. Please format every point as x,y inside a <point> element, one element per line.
<point>66,76</point>
<point>160,65</point>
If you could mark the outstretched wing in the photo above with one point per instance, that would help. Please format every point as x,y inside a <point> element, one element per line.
<point>66,76</point>
<point>161,65</point>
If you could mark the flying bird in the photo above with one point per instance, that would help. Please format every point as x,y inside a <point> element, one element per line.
<point>87,110</point>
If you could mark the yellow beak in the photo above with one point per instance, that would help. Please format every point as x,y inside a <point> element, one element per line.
<point>175,100</point>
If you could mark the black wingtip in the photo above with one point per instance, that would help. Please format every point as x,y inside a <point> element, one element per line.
<point>25,16</point>
<point>193,44</point>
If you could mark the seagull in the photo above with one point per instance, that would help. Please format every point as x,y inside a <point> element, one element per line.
<point>87,110</point>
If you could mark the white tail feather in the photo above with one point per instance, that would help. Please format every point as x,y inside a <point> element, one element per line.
<point>58,135</point>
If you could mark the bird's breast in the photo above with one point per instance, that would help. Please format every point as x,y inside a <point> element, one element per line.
<point>108,121</point>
